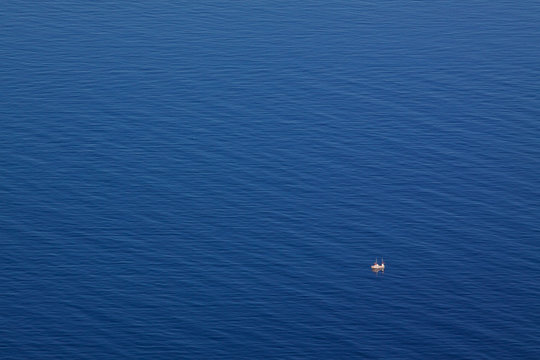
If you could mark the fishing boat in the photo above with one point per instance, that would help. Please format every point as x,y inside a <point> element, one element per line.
<point>376,265</point>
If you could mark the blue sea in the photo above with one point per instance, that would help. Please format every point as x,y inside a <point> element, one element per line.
<point>213,179</point>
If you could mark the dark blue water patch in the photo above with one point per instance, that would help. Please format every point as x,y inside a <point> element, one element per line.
<point>214,180</point>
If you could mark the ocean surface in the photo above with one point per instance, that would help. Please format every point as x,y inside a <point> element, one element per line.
<point>213,179</point>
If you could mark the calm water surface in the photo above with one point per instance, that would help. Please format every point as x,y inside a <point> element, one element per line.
<point>213,179</point>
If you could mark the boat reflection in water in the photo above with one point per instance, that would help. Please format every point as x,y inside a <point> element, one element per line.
<point>376,267</point>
